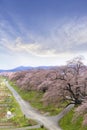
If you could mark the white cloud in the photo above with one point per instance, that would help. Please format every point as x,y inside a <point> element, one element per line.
<point>69,38</point>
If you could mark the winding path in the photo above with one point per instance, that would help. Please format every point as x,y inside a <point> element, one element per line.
<point>51,123</point>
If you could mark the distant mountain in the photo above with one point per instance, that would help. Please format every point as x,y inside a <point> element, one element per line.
<point>20,68</point>
<point>23,68</point>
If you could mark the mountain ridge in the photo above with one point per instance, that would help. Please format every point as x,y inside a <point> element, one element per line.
<point>24,68</point>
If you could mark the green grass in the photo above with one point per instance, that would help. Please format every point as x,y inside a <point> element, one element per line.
<point>26,129</point>
<point>39,129</point>
<point>18,120</point>
<point>34,98</point>
<point>66,122</point>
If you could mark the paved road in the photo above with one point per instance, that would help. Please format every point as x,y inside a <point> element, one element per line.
<point>61,114</point>
<point>51,123</point>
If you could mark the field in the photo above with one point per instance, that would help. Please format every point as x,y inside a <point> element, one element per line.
<point>10,112</point>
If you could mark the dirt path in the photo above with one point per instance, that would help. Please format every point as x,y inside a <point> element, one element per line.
<point>51,123</point>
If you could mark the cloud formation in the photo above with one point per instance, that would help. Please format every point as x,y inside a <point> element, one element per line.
<point>70,37</point>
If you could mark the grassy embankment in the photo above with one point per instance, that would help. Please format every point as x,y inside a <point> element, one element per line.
<point>30,129</point>
<point>39,129</point>
<point>67,123</point>
<point>8,103</point>
<point>34,98</point>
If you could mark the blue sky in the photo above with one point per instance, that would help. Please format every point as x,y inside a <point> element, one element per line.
<point>42,32</point>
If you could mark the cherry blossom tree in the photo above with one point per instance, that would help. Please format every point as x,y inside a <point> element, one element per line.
<point>73,83</point>
<point>81,111</point>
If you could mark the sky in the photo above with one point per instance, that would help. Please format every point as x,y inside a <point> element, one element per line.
<point>42,32</point>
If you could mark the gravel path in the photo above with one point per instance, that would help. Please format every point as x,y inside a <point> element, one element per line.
<point>51,123</point>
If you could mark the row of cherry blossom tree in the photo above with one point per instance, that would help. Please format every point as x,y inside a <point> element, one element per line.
<point>64,83</point>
